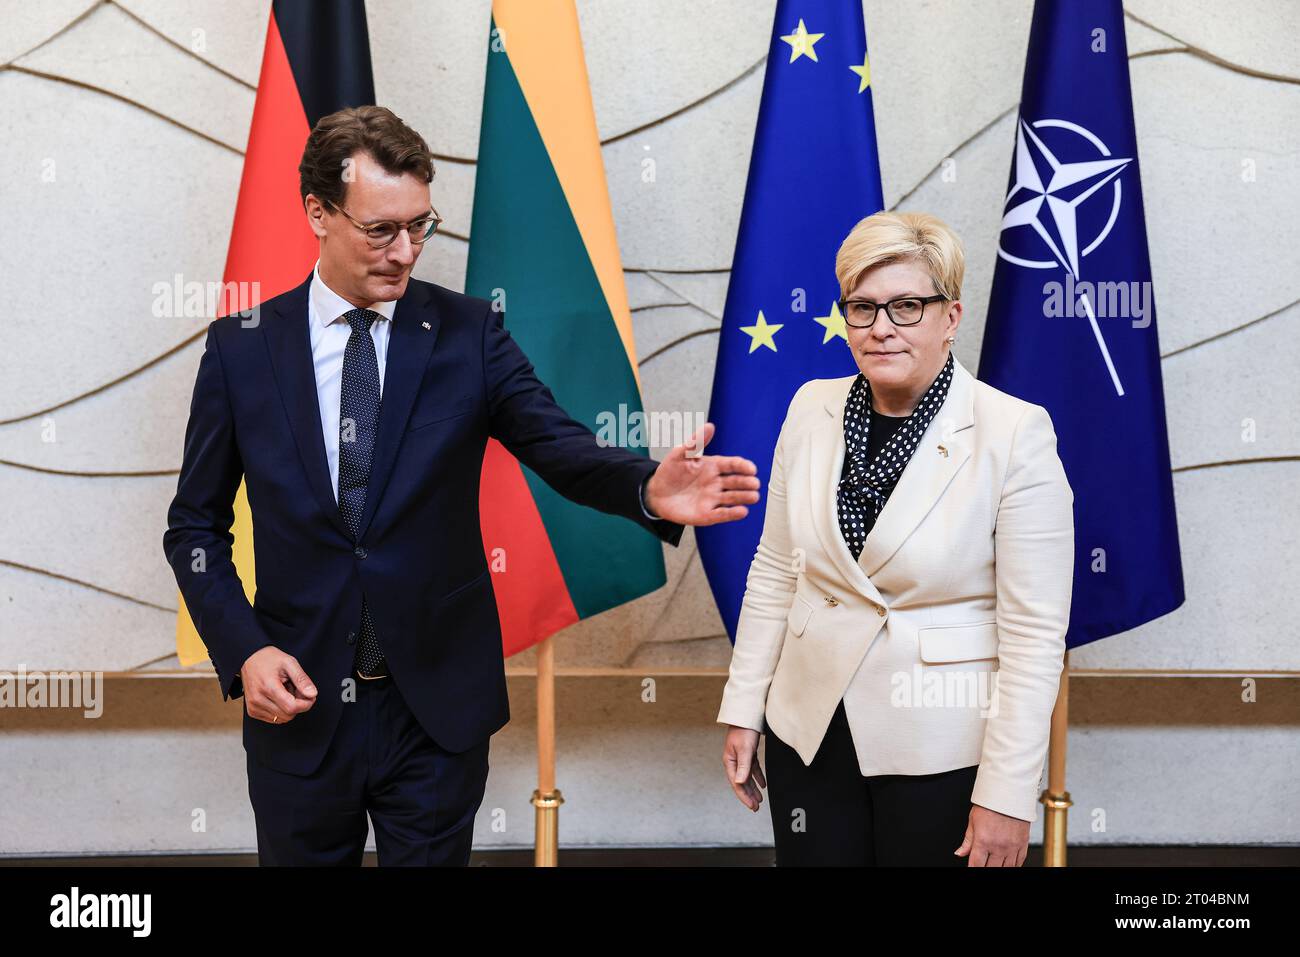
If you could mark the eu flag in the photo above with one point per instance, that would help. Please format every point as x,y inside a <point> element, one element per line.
<point>1071,323</point>
<point>813,174</point>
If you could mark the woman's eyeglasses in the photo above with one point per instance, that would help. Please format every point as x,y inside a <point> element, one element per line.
<point>904,311</point>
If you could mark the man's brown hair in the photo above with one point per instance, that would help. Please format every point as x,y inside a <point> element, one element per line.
<point>376,130</point>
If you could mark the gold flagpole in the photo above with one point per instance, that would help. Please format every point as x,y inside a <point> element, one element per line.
<point>547,798</point>
<point>1056,799</point>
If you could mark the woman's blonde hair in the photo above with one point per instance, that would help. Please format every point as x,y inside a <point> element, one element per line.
<point>887,237</point>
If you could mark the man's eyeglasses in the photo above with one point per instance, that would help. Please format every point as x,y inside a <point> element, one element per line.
<point>379,235</point>
<point>904,311</point>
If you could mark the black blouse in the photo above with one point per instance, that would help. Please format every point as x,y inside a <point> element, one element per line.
<point>882,429</point>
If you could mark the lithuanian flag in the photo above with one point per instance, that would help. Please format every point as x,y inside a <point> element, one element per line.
<point>543,238</point>
<point>316,61</point>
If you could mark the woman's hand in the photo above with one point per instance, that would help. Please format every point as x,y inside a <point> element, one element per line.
<point>740,758</point>
<point>994,839</point>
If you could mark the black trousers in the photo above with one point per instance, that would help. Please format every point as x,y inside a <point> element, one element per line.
<point>829,814</point>
<point>421,798</point>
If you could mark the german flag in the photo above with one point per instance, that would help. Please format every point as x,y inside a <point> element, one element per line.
<point>316,61</point>
<point>543,235</point>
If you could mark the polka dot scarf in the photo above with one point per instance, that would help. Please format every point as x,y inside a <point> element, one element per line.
<point>868,484</point>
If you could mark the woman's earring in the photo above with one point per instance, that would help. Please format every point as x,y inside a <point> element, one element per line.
<point>952,338</point>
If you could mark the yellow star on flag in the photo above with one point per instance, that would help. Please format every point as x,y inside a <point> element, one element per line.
<point>762,333</point>
<point>863,71</point>
<point>834,324</point>
<point>801,43</point>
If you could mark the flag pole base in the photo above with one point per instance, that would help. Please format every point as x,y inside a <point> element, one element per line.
<point>1056,817</point>
<point>546,850</point>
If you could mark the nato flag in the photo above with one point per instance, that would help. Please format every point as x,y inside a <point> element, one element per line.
<point>813,174</point>
<point>1071,323</point>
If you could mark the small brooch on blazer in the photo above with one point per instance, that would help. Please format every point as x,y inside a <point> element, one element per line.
<point>426,325</point>
<point>944,451</point>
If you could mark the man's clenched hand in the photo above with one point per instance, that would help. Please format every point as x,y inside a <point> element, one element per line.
<point>276,689</point>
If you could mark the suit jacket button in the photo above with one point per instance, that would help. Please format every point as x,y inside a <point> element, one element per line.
<point>352,637</point>
<point>359,552</point>
<point>880,610</point>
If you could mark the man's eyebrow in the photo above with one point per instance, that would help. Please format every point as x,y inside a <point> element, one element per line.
<point>424,215</point>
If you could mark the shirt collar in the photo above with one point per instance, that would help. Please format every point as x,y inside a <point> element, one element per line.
<point>329,306</point>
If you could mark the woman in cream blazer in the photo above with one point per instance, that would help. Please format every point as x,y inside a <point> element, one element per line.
<point>906,695</point>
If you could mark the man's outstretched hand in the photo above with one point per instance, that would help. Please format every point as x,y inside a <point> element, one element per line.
<point>702,489</point>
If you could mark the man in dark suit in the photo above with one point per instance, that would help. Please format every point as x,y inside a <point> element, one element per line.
<point>370,661</point>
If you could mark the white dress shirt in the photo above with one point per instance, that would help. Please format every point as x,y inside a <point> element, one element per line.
<point>329,338</point>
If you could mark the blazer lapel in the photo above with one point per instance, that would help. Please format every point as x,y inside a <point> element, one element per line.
<point>827,460</point>
<point>410,342</point>
<point>944,448</point>
<point>288,340</point>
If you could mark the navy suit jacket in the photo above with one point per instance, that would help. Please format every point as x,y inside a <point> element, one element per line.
<point>453,377</point>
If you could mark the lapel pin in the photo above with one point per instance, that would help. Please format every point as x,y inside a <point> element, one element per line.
<point>426,325</point>
<point>944,451</point>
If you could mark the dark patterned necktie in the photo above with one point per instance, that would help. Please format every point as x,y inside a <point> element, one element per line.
<point>358,425</point>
